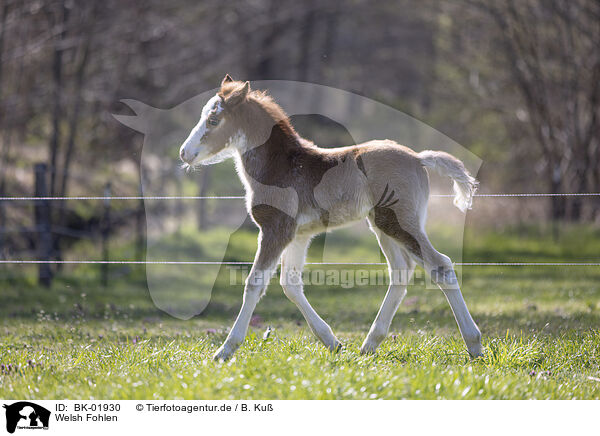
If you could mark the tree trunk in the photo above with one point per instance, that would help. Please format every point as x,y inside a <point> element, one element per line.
<point>575,213</point>
<point>57,75</point>
<point>557,209</point>
<point>264,67</point>
<point>5,142</point>
<point>74,118</point>
<point>140,229</point>
<point>305,42</point>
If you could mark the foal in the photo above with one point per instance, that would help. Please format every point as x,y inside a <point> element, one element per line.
<point>295,190</point>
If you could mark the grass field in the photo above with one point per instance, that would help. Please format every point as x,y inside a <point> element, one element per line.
<point>541,329</point>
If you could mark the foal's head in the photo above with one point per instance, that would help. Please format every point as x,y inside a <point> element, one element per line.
<point>218,128</point>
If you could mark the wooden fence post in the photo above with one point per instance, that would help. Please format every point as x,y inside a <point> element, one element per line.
<point>105,230</point>
<point>43,225</point>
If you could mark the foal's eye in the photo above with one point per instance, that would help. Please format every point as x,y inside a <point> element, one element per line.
<point>213,121</point>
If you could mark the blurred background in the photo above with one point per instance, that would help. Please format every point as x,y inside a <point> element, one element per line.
<point>516,83</point>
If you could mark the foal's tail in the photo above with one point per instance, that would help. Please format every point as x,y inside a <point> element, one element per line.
<point>445,164</point>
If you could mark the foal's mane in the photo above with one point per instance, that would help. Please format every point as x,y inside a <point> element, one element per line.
<point>259,99</point>
<point>275,112</point>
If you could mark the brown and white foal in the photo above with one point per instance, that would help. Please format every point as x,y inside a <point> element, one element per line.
<point>295,190</point>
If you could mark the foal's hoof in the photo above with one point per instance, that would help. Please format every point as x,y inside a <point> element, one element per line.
<point>223,353</point>
<point>371,342</point>
<point>474,345</point>
<point>368,348</point>
<point>476,354</point>
<point>335,347</point>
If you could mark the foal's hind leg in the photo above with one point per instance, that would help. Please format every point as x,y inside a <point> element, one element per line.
<point>292,263</point>
<point>441,271</point>
<point>409,231</point>
<point>401,267</point>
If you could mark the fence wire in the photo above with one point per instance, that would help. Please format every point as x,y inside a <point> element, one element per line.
<point>240,197</point>
<point>200,262</point>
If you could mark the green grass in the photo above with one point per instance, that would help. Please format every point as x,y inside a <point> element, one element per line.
<point>541,329</point>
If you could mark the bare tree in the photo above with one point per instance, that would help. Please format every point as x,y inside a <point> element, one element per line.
<point>5,147</point>
<point>58,15</point>
<point>555,65</point>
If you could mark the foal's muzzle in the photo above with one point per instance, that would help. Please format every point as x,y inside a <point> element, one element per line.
<point>187,157</point>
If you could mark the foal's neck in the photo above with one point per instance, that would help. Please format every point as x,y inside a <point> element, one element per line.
<point>268,130</point>
<point>273,155</point>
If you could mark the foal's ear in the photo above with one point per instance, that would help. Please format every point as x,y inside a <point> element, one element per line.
<point>226,79</point>
<point>237,96</point>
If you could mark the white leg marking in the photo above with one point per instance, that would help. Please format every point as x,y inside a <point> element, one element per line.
<point>264,266</point>
<point>440,268</point>
<point>400,267</point>
<point>468,329</point>
<point>292,263</point>
<point>255,286</point>
<point>442,273</point>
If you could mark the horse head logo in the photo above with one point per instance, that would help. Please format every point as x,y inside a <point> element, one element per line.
<point>184,289</point>
<point>25,414</point>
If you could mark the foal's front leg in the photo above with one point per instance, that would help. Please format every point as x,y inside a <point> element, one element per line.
<point>269,250</point>
<point>292,263</point>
